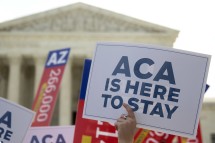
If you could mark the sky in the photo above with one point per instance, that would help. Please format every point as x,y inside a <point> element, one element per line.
<point>195,19</point>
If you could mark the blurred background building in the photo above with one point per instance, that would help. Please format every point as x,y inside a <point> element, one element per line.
<point>25,43</point>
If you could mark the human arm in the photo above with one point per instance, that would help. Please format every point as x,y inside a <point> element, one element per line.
<point>126,126</point>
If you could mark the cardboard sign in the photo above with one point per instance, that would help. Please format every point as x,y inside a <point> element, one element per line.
<point>98,131</point>
<point>52,134</point>
<point>14,121</point>
<point>46,96</point>
<point>154,81</point>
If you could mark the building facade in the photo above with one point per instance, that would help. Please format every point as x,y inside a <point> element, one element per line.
<point>25,43</point>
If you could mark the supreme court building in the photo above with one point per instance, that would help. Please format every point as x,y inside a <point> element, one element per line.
<point>25,43</point>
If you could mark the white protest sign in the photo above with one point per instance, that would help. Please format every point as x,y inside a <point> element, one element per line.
<point>50,134</point>
<point>164,86</point>
<point>14,121</point>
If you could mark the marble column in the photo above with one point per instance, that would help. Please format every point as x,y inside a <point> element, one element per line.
<point>3,78</point>
<point>39,67</point>
<point>3,86</point>
<point>14,78</point>
<point>65,104</point>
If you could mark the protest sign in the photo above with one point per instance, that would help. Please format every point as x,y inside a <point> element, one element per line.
<point>14,121</point>
<point>46,96</point>
<point>97,131</point>
<point>154,81</point>
<point>148,136</point>
<point>51,134</point>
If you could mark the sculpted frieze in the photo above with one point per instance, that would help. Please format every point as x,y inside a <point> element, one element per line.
<point>80,20</point>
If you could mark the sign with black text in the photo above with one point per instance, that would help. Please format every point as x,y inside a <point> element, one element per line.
<point>103,132</point>
<point>154,81</point>
<point>14,121</point>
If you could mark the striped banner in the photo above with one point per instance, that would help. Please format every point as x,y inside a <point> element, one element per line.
<point>46,96</point>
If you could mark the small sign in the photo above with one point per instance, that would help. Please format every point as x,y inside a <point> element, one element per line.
<point>14,121</point>
<point>155,81</point>
<point>51,134</point>
<point>46,96</point>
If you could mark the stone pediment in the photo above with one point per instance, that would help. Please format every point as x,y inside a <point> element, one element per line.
<point>81,18</point>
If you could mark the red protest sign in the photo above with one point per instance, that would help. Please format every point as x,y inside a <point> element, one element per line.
<point>46,96</point>
<point>147,136</point>
<point>91,131</point>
